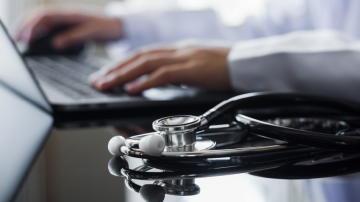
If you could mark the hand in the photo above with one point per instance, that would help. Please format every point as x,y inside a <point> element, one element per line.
<point>203,67</point>
<point>84,27</point>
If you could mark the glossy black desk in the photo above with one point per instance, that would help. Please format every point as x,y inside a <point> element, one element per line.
<point>73,166</point>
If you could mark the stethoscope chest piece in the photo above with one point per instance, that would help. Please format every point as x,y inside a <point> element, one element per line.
<point>179,135</point>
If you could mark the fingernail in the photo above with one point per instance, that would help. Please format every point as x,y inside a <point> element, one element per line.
<point>100,84</point>
<point>109,77</point>
<point>98,74</point>
<point>94,77</point>
<point>132,88</point>
<point>104,82</point>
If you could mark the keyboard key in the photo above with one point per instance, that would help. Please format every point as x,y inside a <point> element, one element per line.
<point>65,75</point>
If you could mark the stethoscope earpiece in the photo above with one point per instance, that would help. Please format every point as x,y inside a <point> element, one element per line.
<point>152,144</point>
<point>115,144</point>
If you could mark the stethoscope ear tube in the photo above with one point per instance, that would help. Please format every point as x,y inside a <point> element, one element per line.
<point>278,98</point>
<point>301,137</point>
<point>291,135</point>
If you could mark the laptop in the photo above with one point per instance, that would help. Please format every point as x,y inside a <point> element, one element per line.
<point>24,128</point>
<point>63,80</point>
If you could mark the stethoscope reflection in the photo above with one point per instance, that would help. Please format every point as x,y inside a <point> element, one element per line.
<point>179,178</point>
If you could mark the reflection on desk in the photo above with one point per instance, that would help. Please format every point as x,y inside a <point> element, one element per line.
<point>178,178</point>
<point>74,167</point>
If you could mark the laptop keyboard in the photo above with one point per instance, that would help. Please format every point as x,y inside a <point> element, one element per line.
<point>69,75</point>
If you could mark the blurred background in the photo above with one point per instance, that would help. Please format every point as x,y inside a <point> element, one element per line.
<point>230,12</point>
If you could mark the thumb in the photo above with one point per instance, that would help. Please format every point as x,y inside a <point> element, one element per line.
<point>75,35</point>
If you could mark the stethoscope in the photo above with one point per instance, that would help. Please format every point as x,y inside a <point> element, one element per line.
<point>173,179</point>
<point>310,121</point>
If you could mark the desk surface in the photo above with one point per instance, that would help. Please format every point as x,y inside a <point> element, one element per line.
<point>73,166</point>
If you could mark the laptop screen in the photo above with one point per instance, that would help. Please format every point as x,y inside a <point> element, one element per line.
<point>15,74</point>
<point>23,132</point>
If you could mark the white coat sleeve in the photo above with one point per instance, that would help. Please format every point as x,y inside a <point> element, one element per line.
<point>322,62</point>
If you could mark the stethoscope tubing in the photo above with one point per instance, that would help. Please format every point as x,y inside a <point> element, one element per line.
<point>296,136</point>
<point>141,174</point>
<point>131,145</point>
<point>131,149</point>
<point>278,98</point>
<point>205,153</point>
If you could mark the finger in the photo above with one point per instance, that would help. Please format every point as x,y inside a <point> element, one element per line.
<point>135,70</point>
<point>175,73</point>
<point>143,54</point>
<point>76,35</point>
<point>109,68</point>
<point>112,67</point>
<point>29,30</point>
<point>45,22</point>
<point>131,72</point>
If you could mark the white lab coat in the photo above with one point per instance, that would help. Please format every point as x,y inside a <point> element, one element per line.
<point>297,45</point>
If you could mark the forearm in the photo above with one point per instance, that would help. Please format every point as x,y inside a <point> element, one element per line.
<point>324,63</point>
